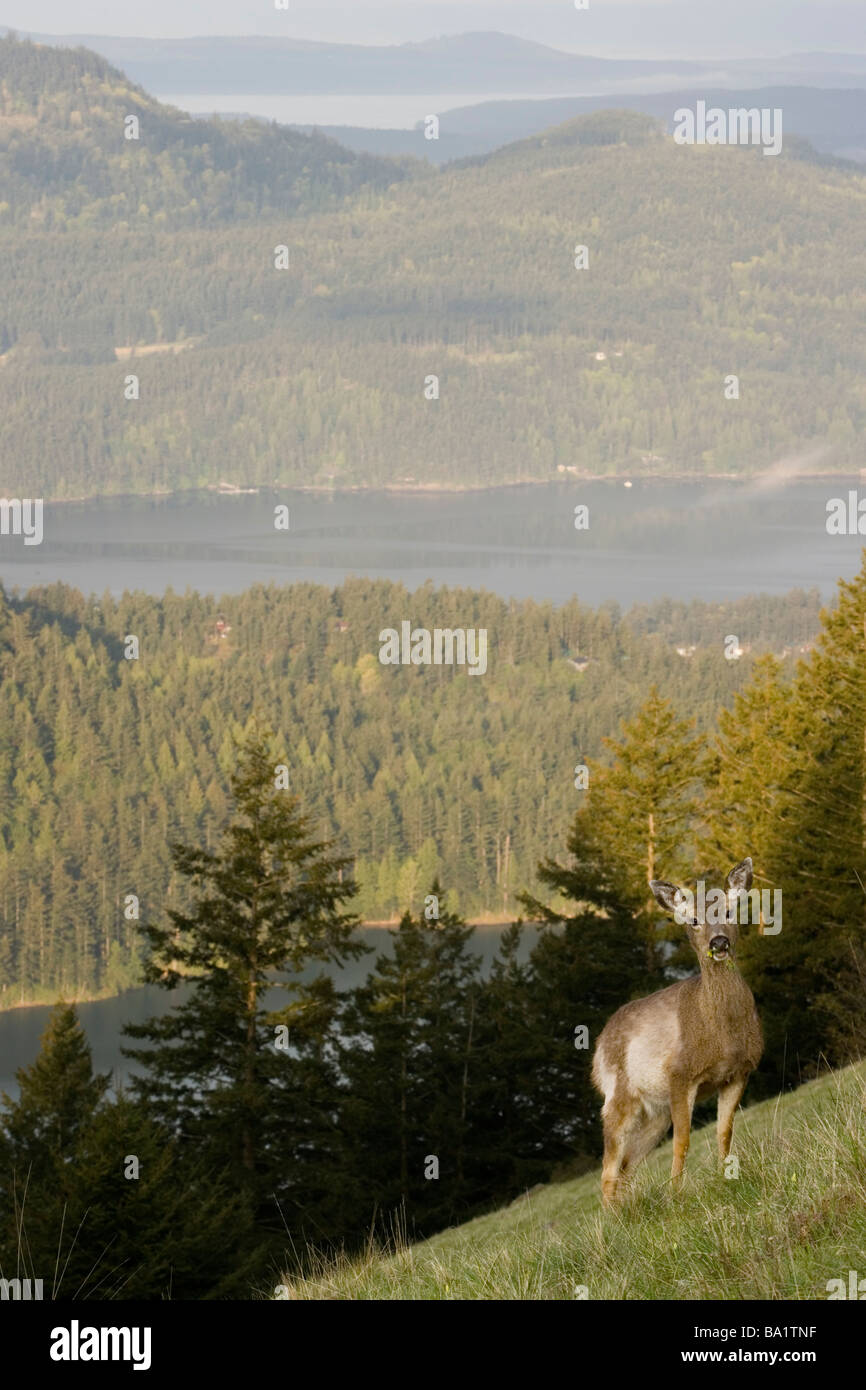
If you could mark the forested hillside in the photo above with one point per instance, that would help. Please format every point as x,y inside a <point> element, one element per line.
<point>65,160</point>
<point>157,257</point>
<point>415,770</point>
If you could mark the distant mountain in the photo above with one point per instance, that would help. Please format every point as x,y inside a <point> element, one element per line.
<point>459,63</point>
<point>64,152</point>
<point>834,121</point>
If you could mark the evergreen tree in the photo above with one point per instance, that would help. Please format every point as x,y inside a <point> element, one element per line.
<point>586,963</point>
<point>810,771</point>
<point>96,1199</point>
<point>58,1094</point>
<point>638,813</point>
<point>510,1140</point>
<point>410,1061</point>
<point>268,902</point>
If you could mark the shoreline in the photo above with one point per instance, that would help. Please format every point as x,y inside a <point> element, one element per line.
<point>102,996</point>
<point>459,490</point>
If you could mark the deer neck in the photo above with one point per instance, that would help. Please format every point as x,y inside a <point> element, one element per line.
<point>721,985</point>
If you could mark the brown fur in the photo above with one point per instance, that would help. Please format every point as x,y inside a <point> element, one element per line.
<point>656,1056</point>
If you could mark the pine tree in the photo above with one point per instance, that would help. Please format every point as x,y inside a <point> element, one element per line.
<point>585,964</point>
<point>58,1094</point>
<point>267,904</point>
<point>745,773</point>
<point>99,1202</point>
<point>637,817</point>
<point>510,1141</point>
<point>410,1063</point>
<point>808,979</point>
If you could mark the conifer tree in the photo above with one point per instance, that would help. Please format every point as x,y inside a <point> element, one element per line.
<point>805,760</point>
<point>58,1094</point>
<point>638,814</point>
<point>267,903</point>
<point>97,1201</point>
<point>410,1063</point>
<point>587,961</point>
<point>510,1139</point>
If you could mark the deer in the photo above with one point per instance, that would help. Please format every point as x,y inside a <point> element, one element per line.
<point>657,1056</point>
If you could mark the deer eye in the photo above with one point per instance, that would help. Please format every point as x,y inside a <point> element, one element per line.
<point>694,922</point>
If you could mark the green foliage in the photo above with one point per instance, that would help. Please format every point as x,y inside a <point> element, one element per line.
<point>75,1214</point>
<point>409,1061</point>
<point>789,770</point>
<point>595,954</point>
<point>267,902</point>
<point>415,771</point>
<point>65,162</point>
<point>58,1094</point>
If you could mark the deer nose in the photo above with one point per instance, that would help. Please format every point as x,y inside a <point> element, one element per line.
<point>720,943</point>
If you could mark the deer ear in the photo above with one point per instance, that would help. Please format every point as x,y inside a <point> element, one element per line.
<point>740,877</point>
<point>667,894</point>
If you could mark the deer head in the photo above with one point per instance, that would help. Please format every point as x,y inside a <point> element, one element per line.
<point>712,918</point>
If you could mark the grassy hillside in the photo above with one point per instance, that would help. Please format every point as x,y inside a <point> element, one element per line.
<point>703,262</point>
<point>795,1218</point>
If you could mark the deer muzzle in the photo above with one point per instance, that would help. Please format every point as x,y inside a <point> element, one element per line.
<point>719,948</point>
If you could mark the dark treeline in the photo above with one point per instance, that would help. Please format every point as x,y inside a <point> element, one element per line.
<point>418,772</point>
<point>703,263</point>
<point>257,1141</point>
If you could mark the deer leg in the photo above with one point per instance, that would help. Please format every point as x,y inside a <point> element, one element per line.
<point>729,1098</point>
<point>682,1104</point>
<point>620,1116</point>
<point>644,1139</point>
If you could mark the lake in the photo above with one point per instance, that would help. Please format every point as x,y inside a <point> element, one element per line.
<point>686,540</point>
<point>103,1019</point>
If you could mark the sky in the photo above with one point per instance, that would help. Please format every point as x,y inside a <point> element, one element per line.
<point>627,28</point>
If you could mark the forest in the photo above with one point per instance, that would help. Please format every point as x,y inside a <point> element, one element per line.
<point>415,771</point>
<point>156,258</point>
<point>258,1140</point>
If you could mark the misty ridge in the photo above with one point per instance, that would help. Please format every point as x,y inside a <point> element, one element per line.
<point>478,62</point>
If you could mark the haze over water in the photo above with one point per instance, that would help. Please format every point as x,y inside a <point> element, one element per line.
<point>686,540</point>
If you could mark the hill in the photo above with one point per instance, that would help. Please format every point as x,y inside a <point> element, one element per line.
<point>833,121</point>
<point>64,157</point>
<point>118,758</point>
<point>793,1220</point>
<point>705,262</point>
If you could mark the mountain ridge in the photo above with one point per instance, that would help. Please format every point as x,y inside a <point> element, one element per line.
<point>701,262</point>
<point>63,115</point>
<point>481,61</point>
